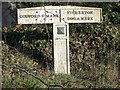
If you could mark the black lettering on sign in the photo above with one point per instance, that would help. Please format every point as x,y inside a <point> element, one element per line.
<point>82,18</point>
<point>71,18</point>
<point>55,15</point>
<point>82,12</point>
<point>43,15</point>
<point>29,16</point>
<point>68,12</point>
<point>52,15</point>
<point>86,18</point>
<point>79,18</point>
<point>79,12</point>
<point>47,15</point>
<point>38,16</point>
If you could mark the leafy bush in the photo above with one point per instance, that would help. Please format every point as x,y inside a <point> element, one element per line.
<point>94,52</point>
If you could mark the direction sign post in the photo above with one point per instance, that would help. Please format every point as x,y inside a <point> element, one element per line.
<point>60,16</point>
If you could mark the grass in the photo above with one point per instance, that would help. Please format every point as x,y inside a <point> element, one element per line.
<point>15,78</point>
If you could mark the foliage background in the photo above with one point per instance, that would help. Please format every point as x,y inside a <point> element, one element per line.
<point>94,51</point>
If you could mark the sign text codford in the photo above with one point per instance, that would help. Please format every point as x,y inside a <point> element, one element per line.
<point>53,15</point>
<point>60,16</point>
<point>37,16</point>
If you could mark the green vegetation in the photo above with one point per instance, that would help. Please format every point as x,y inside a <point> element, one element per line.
<point>94,52</point>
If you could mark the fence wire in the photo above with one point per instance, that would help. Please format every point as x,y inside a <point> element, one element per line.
<point>36,77</point>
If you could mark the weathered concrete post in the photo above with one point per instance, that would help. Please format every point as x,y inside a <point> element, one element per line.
<point>60,17</point>
<point>61,48</point>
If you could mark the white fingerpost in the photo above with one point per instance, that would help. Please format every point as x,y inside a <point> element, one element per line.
<point>60,17</point>
<point>61,48</point>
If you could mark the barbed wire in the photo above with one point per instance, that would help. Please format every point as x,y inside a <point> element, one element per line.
<point>31,74</point>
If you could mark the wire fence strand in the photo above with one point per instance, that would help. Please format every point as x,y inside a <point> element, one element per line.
<point>36,77</point>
